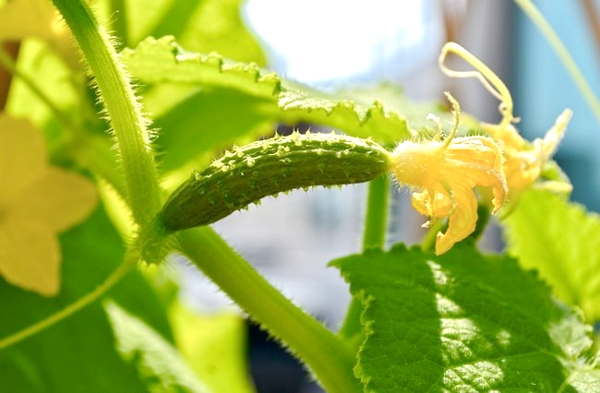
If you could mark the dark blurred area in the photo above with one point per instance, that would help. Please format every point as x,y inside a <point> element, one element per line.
<point>273,369</point>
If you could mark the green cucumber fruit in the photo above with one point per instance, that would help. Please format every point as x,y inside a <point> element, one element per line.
<point>247,174</point>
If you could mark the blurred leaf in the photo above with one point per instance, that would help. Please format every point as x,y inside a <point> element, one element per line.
<point>51,75</point>
<point>561,240</point>
<point>28,18</point>
<point>77,355</point>
<point>94,250</point>
<point>202,26</point>
<point>214,346</point>
<point>463,322</point>
<point>158,362</point>
<point>205,121</point>
<point>59,359</point>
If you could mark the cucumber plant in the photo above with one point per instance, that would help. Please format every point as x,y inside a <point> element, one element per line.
<point>442,315</point>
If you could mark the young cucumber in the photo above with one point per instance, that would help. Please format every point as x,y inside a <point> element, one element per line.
<point>246,174</point>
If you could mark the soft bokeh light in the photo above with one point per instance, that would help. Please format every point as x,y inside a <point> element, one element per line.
<point>327,42</point>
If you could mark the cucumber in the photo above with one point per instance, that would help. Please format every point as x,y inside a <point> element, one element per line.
<point>247,174</point>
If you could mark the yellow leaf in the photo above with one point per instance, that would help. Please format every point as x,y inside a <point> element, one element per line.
<point>27,18</point>
<point>37,201</point>
<point>30,256</point>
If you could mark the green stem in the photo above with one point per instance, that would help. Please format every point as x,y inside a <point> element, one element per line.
<point>129,126</point>
<point>377,213</point>
<point>428,242</point>
<point>373,237</point>
<point>542,24</point>
<point>327,356</point>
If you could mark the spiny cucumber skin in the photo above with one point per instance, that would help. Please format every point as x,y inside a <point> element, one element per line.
<point>247,174</point>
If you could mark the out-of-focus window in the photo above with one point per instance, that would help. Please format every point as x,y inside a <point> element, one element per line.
<point>543,89</point>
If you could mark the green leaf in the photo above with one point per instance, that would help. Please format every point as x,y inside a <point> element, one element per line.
<point>561,240</point>
<point>158,362</point>
<point>202,26</point>
<point>205,122</point>
<point>201,123</point>
<point>163,60</point>
<point>91,252</point>
<point>55,359</point>
<point>462,322</point>
<point>77,355</point>
<point>50,74</point>
<point>26,18</point>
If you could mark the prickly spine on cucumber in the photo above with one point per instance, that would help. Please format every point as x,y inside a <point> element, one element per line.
<point>247,174</point>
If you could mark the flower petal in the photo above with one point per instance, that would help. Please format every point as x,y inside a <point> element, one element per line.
<point>461,223</point>
<point>445,176</point>
<point>417,164</point>
<point>59,199</point>
<point>482,167</point>
<point>556,133</point>
<point>436,204</point>
<point>524,161</point>
<point>30,256</point>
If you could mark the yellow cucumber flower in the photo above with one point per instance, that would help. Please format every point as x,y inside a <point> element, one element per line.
<point>37,201</point>
<point>524,161</point>
<point>444,175</point>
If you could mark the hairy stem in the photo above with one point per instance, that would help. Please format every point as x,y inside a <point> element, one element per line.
<point>129,126</point>
<point>326,355</point>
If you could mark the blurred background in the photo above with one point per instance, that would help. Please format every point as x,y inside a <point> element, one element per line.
<point>331,44</point>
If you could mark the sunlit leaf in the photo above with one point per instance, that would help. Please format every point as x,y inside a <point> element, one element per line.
<point>561,240</point>
<point>202,26</point>
<point>28,18</point>
<point>204,102</point>
<point>462,322</point>
<point>163,60</point>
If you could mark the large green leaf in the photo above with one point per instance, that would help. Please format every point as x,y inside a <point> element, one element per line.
<point>163,60</point>
<point>203,102</point>
<point>463,322</point>
<point>77,354</point>
<point>561,240</point>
